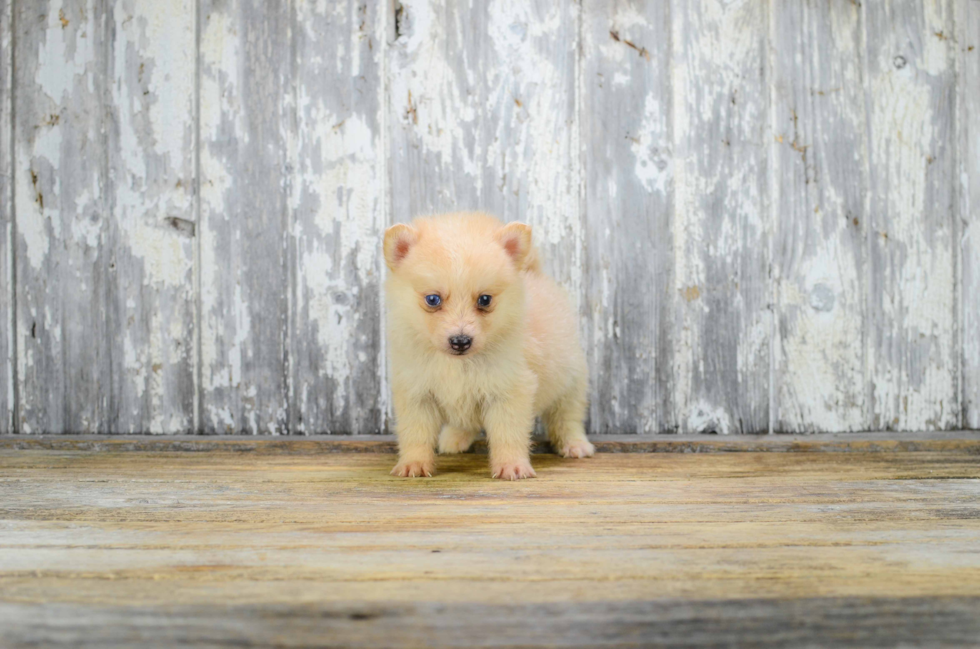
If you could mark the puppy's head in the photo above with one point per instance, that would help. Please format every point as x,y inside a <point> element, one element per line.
<point>455,281</point>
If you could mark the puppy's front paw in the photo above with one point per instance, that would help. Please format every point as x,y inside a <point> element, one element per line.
<point>414,469</point>
<point>515,470</point>
<point>577,448</point>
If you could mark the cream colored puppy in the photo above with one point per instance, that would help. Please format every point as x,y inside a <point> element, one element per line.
<point>480,338</point>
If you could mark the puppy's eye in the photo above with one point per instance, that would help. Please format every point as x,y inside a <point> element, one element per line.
<point>433,300</point>
<point>483,301</point>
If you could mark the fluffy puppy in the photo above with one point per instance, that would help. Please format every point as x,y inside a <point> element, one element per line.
<point>480,338</point>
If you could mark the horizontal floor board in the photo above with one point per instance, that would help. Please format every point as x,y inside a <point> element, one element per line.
<point>838,622</point>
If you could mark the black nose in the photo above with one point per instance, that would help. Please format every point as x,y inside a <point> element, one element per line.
<point>460,343</point>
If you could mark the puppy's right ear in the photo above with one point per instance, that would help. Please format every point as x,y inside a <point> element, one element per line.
<point>399,239</point>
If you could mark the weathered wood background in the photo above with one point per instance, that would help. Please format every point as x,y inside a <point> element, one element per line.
<point>768,212</point>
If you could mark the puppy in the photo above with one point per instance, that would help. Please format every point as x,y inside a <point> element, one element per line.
<point>480,338</point>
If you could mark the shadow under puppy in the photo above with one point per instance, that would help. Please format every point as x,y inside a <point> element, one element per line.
<point>479,338</point>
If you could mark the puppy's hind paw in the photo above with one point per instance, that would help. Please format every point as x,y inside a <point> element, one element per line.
<point>577,448</point>
<point>517,470</point>
<point>414,469</point>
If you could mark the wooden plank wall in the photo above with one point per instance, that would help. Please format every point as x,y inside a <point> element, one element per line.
<point>766,212</point>
<point>62,217</point>
<point>819,159</point>
<point>149,244</point>
<point>967,139</point>
<point>911,280</point>
<point>7,381</point>
<point>246,129</point>
<point>627,167</point>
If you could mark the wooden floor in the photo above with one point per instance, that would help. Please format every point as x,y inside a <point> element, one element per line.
<point>269,543</point>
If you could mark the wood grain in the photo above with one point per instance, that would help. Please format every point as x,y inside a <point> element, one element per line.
<point>60,178</point>
<point>720,228</point>
<point>337,199</point>
<point>152,216</point>
<point>819,160</point>
<point>7,338</point>
<point>967,46</point>
<point>245,74</point>
<point>627,145</point>
<point>212,545</point>
<point>910,99</point>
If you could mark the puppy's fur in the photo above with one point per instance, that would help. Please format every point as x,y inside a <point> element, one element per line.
<point>524,357</point>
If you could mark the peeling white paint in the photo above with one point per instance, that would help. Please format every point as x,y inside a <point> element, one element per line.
<point>152,203</point>
<point>8,376</point>
<point>31,230</point>
<point>722,300</point>
<point>819,154</point>
<point>913,282</point>
<point>437,110</point>
<point>653,167</point>
<point>704,417</point>
<point>500,120</point>
<point>967,15</point>
<point>59,212</point>
<point>67,53</point>
<point>337,201</point>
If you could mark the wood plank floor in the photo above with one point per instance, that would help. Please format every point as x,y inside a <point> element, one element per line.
<point>283,546</point>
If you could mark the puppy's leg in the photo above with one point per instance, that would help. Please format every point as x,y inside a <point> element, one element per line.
<point>564,423</point>
<point>418,424</point>
<point>456,440</point>
<point>508,422</point>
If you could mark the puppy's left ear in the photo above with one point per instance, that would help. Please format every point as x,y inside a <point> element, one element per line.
<point>516,240</point>
<point>399,239</point>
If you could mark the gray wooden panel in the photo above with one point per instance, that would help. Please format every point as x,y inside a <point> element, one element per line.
<point>628,174</point>
<point>819,161</point>
<point>245,54</point>
<point>7,383</point>
<point>150,239</point>
<point>968,138</point>
<point>60,179</point>
<point>671,156</point>
<point>910,76</point>
<point>721,230</point>
<point>482,116</point>
<point>336,353</point>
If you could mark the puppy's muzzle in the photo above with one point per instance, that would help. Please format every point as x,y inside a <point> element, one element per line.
<point>460,344</point>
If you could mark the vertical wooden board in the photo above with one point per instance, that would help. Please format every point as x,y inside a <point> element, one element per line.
<point>150,239</point>
<point>819,158</point>
<point>245,61</point>
<point>338,200</point>
<point>968,138</point>
<point>7,400</point>
<point>627,152</point>
<point>482,116</point>
<point>913,360</point>
<point>59,177</point>
<point>721,233</point>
